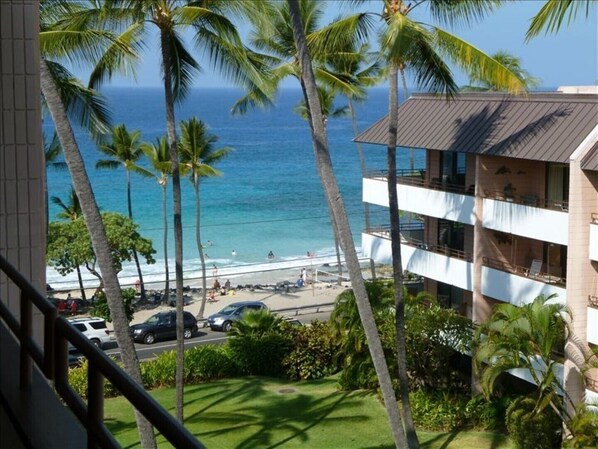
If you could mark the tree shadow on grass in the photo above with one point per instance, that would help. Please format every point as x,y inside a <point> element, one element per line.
<point>281,418</point>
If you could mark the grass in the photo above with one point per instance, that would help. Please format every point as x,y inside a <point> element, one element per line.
<point>271,413</point>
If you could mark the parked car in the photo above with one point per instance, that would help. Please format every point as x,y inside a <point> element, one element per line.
<point>224,319</point>
<point>95,329</point>
<point>162,326</point>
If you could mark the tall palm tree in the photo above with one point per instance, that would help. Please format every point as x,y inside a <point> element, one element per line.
<point>59,40</point>
<point>328,110</point>
<point>198,157</point>
<point>124,151</point>
<point>158,155</point>
<point>323,161</point>
<point>71,211</point>
<point>421,49</point>
<point>513,63</point>
<point>215,33</point>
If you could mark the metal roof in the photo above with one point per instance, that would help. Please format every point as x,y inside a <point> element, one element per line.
<point>539,126</point>
<point>590,160</point>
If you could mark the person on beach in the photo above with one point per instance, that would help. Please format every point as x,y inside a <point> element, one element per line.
<point>211,296</point>
<point>234,253</point>
<point>304,275</point>
<point>270,255</point>
<point>215,272</point>
<point>216,285</point>
<point>226,286</point>
<point>73,307</point>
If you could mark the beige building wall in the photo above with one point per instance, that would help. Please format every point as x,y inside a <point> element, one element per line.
<point>22,167</point>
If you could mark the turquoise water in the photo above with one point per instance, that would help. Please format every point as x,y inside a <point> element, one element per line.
<point>269,197</point>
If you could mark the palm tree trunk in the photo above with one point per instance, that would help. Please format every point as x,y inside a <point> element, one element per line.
<point>165,244</point>
<point>95,226</point>
<point>397,264</point>
<point>362,165</point>
<point>81,288</point>
<point>135,256</point>
<point>200,248</point>
<point>177,222</point>
<point>331,190</point>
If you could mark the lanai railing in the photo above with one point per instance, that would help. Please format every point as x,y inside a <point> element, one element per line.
<point>53,363</point>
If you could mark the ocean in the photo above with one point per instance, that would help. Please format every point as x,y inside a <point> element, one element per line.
<point>269,197</point>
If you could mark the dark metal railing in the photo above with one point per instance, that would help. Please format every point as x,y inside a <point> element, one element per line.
<point>53,362</point>
<point>417,178</point>
<point>528,200</point>
<point>384,232</point>
<point>523,271</point>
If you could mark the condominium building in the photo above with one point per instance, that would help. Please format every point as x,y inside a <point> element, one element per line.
<point>507,202</point>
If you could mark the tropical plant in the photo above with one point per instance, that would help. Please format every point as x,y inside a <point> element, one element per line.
<point>529,427</point>
<point>513,63</point>
<point>63,37</point>
<point>100,305</point>
<point>551,16</point>
<point>198,156</point>
<point>421,49</point>
<point>343,230</point>
<point>124,151</point>
<point>525,337</point>
<point>52,151</point>
<point>258,344</point>
<point>215,33</point>
<point>158,156</point>
<point>71,211</point>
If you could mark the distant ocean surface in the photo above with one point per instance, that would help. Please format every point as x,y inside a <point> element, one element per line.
<point>269,198</point>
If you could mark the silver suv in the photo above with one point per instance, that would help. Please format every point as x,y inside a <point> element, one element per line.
<point>223,320</point>
<point>95,329</point>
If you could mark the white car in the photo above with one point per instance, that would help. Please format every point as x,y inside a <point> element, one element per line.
<point>95,329</point>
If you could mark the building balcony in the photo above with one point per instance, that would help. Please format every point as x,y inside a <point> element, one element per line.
<point>527,216</point>
<point>594,237</point>
<point>518,285</point>
<point>442,264</point>
<point>592,320</point>
<point>416,195</point>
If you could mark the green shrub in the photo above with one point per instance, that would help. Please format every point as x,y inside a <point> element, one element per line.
<point>313,354</point>
<point>438,410</point>
<point>260,355</point>
<point>487,415</point>
<point>100,306</point>
<point>159,372</point>
<point>584,429</point>
<point>208,362</point>
<point>77,379</point>
<point>529,429</point>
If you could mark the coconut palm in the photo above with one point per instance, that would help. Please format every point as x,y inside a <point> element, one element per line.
<point>331,190</point>
<point>551,16</point>
<point>52,151</point>
<point>71,211</point>
<point>158,156</point>
<point>215,33</point>
<point>124,151</point>
<point>514,65</point>
<point>198,156</point>
<point>58,40</point>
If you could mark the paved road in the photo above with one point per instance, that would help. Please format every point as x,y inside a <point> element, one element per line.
<point>205,336</point>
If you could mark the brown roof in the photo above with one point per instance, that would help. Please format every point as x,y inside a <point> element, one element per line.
<point>541,126</point>
<point>590,160</point>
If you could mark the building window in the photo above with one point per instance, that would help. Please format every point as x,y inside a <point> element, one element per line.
<point>450,297</point>
<point>451,234</point>
<point>453,167</point>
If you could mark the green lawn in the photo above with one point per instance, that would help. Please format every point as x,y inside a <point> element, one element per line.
<point>271,413</point>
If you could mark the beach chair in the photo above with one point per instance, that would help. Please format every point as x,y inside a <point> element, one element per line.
<point>535,268</point>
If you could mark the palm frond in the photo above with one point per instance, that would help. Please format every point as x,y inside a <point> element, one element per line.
<point>551,16</point>
<point>182,66</point>
<point>466,12</point>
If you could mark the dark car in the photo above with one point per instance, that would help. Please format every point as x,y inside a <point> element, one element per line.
<point>162,326</point>
<point>224,319</point>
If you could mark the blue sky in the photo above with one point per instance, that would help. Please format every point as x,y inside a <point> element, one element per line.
<point>568,58</point>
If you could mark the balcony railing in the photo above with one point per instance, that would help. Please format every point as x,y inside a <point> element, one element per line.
<point>523,271</point>
<point>384,232</point>
<point>416,178</point>
<point>53,362</point>
<point>528,200</point>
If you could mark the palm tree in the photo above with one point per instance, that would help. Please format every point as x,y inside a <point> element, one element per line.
<point>324,163</point>
<point>71,211</point>
<point>198,157</point>
<point>58,40</point>
<point>526,337</point>
<point>158,156</point>
<point>124,151</point>
<point>420,48</point>
<point>214,32</point>
<point>513,63</point>
<point>52,151</point>
<point>328,110</point>
<point>551,16</point>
